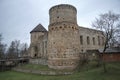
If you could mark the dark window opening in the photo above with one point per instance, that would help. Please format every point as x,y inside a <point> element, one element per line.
<point>52,28</point>
<point>72,27</point>
<point>35,55</point>
<point>88,40</point>
<point>102,40</point>
<point>93,41</point>
<point>81,40</point>
<point>60,27</point>
<point>81,50</point>
<point>98,40</point>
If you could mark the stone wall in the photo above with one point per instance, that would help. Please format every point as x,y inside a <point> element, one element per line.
<point>63,12</point>
<point>38,61</point>
<point>96,39</point>
<point>38,46</point>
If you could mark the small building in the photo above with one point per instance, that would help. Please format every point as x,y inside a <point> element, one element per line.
<point>38,46</point>
<point>111,54</point>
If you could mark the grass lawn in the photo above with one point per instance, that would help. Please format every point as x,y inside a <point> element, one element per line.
<point>35,67</point>
<point>89,74</point>
<point>39,67</point>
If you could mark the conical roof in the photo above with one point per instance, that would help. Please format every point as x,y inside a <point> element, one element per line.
<point>39,28</point>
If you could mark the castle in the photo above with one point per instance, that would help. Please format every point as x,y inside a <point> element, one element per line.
<point>62,44</point>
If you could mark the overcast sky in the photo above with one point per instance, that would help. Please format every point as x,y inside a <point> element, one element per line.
<point>19,17</point>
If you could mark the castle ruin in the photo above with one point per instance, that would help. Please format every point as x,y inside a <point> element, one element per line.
<point>62,44</point>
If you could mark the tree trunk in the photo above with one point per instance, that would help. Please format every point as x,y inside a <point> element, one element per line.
<point>103,61</point>
<point>104,66</point>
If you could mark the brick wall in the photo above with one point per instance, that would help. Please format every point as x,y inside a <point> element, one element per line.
<point>110,57</point>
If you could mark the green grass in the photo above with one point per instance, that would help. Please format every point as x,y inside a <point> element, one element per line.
<point>89,74</point>
<point>38,67</point>
<point>35,67</point>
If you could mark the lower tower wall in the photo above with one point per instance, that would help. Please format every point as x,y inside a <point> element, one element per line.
<point>63,46</point>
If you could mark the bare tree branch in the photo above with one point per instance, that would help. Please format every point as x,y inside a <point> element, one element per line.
<point>109,23</point>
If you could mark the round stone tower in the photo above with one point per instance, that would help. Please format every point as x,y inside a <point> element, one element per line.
<point>63,37</point>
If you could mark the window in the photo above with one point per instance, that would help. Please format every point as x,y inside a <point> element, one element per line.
<point>98,40</point>
<point>102,40</point>
<point>93,40</point>
<point>35,55</point>
<point>60,27</point>
<point>72,27</point>
<point>52,28</point>
<point>57,16</point>
<point>36,51</point>
<point>45,44</point>
<point>88,40</point>
<point>81,40</point>
<point>82,50</point>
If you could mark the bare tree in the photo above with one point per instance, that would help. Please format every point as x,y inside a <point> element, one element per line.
<point>109,23</point>
<point>24,50</point>
<point>2,48</point>
<point>17,44</point>
<point>13,50</point>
